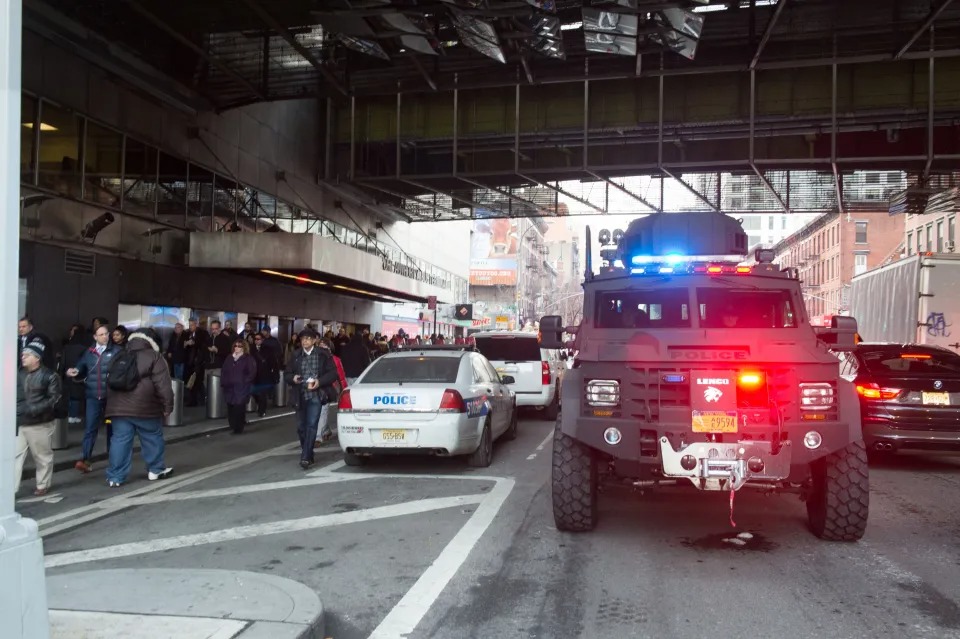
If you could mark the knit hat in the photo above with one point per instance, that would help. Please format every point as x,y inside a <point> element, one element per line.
<point>36,347</point>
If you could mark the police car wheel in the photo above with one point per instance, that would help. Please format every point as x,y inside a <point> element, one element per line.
<point>838,505</point>
<point>512,430</point>
<point>483,456</point>
<point>574,484</point>
<point>351,459</point>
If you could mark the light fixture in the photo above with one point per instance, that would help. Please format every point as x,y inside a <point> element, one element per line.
<point>43,126</point>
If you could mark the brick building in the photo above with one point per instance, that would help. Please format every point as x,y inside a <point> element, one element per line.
<point>931,232</point>
<point>833,248</point>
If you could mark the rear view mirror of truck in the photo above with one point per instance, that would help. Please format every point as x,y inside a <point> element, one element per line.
<point>551,332</point>
<point>841,335</point>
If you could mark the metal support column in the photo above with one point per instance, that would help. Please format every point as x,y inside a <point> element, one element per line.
<point>328,143</point>
<point>23,592</point>
<point>931,80</point>
<point>586,112</point>
<point>353,137</point>
<point>516,130</point>
<point>399,104</point>
<point>456,119</point>
<point>837,178</point>
<point>660,120</point>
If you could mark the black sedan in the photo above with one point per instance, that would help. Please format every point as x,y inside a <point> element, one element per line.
<point>909,395</point>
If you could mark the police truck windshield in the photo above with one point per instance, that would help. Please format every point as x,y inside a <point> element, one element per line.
<point>413,370</point>
<point>718,308</point>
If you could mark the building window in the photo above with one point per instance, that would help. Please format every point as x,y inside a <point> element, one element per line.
<point>929,238</point>
<point>60,136</point>
<point>951,229</point>
<point>861,237</point>
<point>783,222</point>
<point>770,223</point>
<point>859,264</point>
<point>871,178</point>
<point>736,203</point>
<point>103,160</point>
<point>940,236</point>
<point>909,243</point>
<point>28,134</point>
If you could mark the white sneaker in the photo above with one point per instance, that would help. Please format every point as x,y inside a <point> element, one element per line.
<point>163,474</point>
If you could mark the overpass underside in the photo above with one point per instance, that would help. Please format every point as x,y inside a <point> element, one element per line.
<point>802,131</point>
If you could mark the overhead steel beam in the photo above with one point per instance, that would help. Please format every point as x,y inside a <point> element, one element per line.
<point>347,195</point>
<point>838,181</point>
<point>769,187</point>
<point>185,41</point>
<point>700,196</point>
<point>934,14</point>
<point>284,33</point>
<point>470,203</point>
<point>515,198</point>
<point>526,69</point>
<point>556,188</point>
<point>626,191</point>
<point>767,33</point>
<point>392,193</point>
<point>423,72</point>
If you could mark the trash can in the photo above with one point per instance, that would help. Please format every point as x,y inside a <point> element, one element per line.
<point>60,439</point>
<point>175,418</point>
<point>216,402</point>
<point>280,395</point>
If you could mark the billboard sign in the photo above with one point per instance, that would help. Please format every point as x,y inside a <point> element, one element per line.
<point>493,252</point>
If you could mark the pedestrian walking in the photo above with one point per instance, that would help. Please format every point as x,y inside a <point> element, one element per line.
<point>237,375</point>
<point>38,393</point>
<point>94,368</point>
<point>324,432</point>
<point>312,373</point>
<point>268,372</point>
<point>139,397</point>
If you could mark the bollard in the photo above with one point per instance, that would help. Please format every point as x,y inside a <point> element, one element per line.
<point>280,394</point>
<point>175,418</point>
<point>216,403</point>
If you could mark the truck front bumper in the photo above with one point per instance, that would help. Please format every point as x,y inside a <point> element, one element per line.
<point>728,466</point>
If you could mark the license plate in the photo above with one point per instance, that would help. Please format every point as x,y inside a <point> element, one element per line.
<point>393,435</point>
<point>937,399</point>
<point>714,422</point>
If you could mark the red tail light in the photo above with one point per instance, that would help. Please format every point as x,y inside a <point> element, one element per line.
<point>743,270</point>
<point>545,373</point>
<point>870,390</point>
<point>452,402</point>
<point>750,380</point>
<point>345,405</point>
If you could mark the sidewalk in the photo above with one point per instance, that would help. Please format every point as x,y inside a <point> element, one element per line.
<point>157,603</point>
<point>195,425</point>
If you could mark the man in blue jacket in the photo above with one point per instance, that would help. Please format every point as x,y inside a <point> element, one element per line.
<point>94,366</point>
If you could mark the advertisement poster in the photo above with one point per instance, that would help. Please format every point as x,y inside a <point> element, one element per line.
<point>493,252</point>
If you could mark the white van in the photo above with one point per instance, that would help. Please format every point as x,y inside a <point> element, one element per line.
<point>537,371</point>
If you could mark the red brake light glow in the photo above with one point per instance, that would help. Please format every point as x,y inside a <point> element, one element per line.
<point>750,379</point>
<point>873,391</point>
<point>452,402</point>
<point>914,356</point>
<point>345,403</point>
<point>545,373</point>
<point>714,270</point>
<point>743,270</point>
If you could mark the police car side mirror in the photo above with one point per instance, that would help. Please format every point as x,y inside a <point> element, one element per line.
<point>551,332</point>
<point>508,379</point>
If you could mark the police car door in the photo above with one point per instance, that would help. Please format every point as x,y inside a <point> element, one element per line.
<point>490,386</point>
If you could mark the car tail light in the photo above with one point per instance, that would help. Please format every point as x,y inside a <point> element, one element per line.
<point>545,373</point>
<point>870,390</point>
<point>817,396</point>
<point>603,392</point>
<point>743,270</point>
<point>750,380</point>
<point>452,402</point>
<point>346,404</point>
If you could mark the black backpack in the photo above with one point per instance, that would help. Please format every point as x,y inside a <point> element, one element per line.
<point>123,374</point>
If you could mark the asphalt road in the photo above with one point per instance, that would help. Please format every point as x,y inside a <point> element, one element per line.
<point>436,549</point>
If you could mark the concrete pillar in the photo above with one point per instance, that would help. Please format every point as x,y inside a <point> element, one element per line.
<point>23,594</point>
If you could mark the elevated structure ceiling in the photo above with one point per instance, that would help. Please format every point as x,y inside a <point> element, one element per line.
<point>448,109</point>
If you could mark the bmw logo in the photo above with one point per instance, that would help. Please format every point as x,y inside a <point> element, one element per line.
<point>938,384</point>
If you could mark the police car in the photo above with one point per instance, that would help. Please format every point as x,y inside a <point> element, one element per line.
<point>436,401</point>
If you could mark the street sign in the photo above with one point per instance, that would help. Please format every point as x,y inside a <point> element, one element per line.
<point>432,303</point>
<point>464,312</point>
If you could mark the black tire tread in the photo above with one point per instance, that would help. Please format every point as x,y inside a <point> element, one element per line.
<point>840,504</point>
<point>574,483</point>
<point>552,410</point>
<point>351,459</point>
<point>513,429</point>
<point>482,458</point>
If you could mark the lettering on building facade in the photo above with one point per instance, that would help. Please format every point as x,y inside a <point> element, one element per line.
<point>417,274</point>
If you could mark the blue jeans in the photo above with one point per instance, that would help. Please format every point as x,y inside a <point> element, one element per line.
<point>74,407</point>
<point>149,430</point>
<point>178,371</point>
<point>92,424</point>
<point>308,416</point>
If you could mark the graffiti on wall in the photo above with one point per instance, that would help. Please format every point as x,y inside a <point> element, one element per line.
<point>937,325</point>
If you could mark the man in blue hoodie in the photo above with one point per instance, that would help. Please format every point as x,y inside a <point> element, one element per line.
<point>94,366</point>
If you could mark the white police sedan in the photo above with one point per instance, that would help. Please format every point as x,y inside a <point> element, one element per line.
<point>437,401</point>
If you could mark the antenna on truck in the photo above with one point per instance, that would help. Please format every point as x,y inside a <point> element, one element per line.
<point>588,275</point>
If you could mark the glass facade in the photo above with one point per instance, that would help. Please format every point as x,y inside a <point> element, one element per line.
<point>66,153</point>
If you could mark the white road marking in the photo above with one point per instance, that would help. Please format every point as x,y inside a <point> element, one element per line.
<point>45,498</point>
<point>410,610</point>
<point>242,490</point>
<point>97,625</point>
<point>546,440</point>
<point>533,456</point>
<point>275,528</point>
<point>328,469</point>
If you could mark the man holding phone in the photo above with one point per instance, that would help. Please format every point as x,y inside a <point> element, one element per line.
<point>312,373</point>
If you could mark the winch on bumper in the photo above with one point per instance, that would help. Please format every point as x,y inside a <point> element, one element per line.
<point>727,466</point>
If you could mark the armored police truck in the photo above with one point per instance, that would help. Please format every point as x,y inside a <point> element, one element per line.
<point>694,367</point>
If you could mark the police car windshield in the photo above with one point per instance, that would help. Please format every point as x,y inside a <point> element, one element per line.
<point>413,370</point>
<point>648,309</point>
<point>726,309</point>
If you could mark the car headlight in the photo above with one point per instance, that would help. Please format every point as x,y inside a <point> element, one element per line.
<point>817,396</point>
<point>603,392</point>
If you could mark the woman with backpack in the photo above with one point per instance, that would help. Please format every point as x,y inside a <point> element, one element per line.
<point>236,379</point>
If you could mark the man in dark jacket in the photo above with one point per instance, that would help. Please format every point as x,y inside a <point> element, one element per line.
<point>140,411</point>
<point>177,352</point>
<point>38,393</point>
<point>222,343</point>
<point>93,368</point>
<point>268,372</point>
<point>197,346</point>
<point>27,333</point>
<point>355,357</point>
<point>312,373</point>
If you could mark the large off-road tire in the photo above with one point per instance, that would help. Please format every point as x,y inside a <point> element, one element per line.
<point>514,426</point>
<point>839,502</point>
<point>552,410</point>
<point>574,484</point>
<point>483,456</point>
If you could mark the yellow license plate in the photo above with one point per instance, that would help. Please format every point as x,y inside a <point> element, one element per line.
<point>714,422</point>
<point>937,399</point>
<point>393,435</point>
